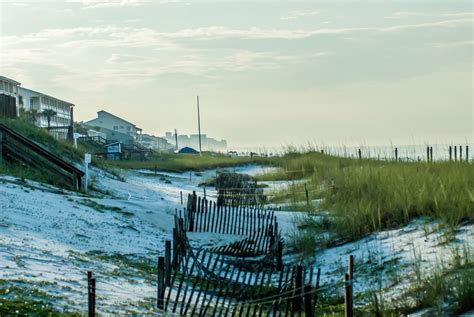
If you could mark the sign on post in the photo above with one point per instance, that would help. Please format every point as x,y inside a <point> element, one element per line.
<point>87,161</point>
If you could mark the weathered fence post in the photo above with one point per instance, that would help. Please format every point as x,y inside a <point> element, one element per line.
<point>455,153</point>
<point>3,138</point>
<point>192,211</point>
<point>467,153</point>
<point>181,196</point>
<point>91,294</point>
<point>280,256</point>
<point>351,266</point>
<point>450,153</point>
<point>308,304</point>
<point>318,276</point>
<point>396,154</point>
<point>427,153</point>
<point>307,196</point>
<point>460,153</point>
<point>298,289</point>
<point>351,278</point>
<point>175,248</point>
<point>347,296</point>
<point>161,283</point>
<point>360,154</point>
<point>168,262</point>
<point>431,154</point>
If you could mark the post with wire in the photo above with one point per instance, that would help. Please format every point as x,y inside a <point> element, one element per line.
<point>161,283</point>
<point>91,294</point>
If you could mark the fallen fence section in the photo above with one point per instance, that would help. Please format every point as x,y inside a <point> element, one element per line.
<point>243,277</point>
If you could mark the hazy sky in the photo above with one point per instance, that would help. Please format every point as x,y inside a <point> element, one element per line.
<point>267,73</point>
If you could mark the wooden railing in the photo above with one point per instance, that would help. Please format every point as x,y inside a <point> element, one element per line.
<point>7,150</point>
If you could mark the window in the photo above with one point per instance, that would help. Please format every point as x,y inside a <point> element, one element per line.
<point>115,127</point>
<point>121,127</point>
<point>128,128</point>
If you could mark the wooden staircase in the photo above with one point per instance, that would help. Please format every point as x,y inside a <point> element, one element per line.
<point>16,147</point>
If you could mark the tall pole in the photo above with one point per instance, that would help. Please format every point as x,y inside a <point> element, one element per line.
<point>176,138</point>
<point>199,127</point>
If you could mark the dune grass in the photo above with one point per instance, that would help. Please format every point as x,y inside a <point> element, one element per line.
<point>172,162</point>
<point>61,148</point>
<point>369,195</point>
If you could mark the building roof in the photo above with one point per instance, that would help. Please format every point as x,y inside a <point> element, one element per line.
<point>188,150</point>
<point>112,115</point>
<point>43,94</point>
<point>10,80</point>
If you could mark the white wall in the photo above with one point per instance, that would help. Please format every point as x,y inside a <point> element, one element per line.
<point>40,102</point>
<point>105,120</point>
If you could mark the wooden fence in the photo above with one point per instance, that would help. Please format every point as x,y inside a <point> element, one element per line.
<point>230,280</point>
<point>235,189</point>
<point>205,282</point>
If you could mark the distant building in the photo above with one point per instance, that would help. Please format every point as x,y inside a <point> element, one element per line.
<point>114,127</point>
<point>207,143</point>
<point>155,143</point>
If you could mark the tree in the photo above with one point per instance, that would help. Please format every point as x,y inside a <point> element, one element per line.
<point>49,113</point>
<point>31,115</point>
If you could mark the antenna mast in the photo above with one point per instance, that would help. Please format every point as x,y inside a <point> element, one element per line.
<point>199,127</point>
<point>176,138</point>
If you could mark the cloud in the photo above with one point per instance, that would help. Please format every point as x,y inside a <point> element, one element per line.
<point>120,36</point>
<point>293,15</point>
<point>404,14</point>
<point>112,54</point>
<point>409,14</point>
<point>100,4</point>
<point>132,20</point>
<point>126,59</point>
<point>455,44</point>
<point>105,4</point>
<point>437,24</point>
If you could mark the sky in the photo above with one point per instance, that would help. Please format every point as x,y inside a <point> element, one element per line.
<point>268,73</point>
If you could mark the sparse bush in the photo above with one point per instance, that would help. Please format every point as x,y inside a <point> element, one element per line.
<point>304,243</point>
<point>444,290</point>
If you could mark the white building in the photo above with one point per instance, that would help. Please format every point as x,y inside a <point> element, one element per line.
<point>9,93</point>
<point>25,99</point>
<point>114,126</point>
<point>29,99</point>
